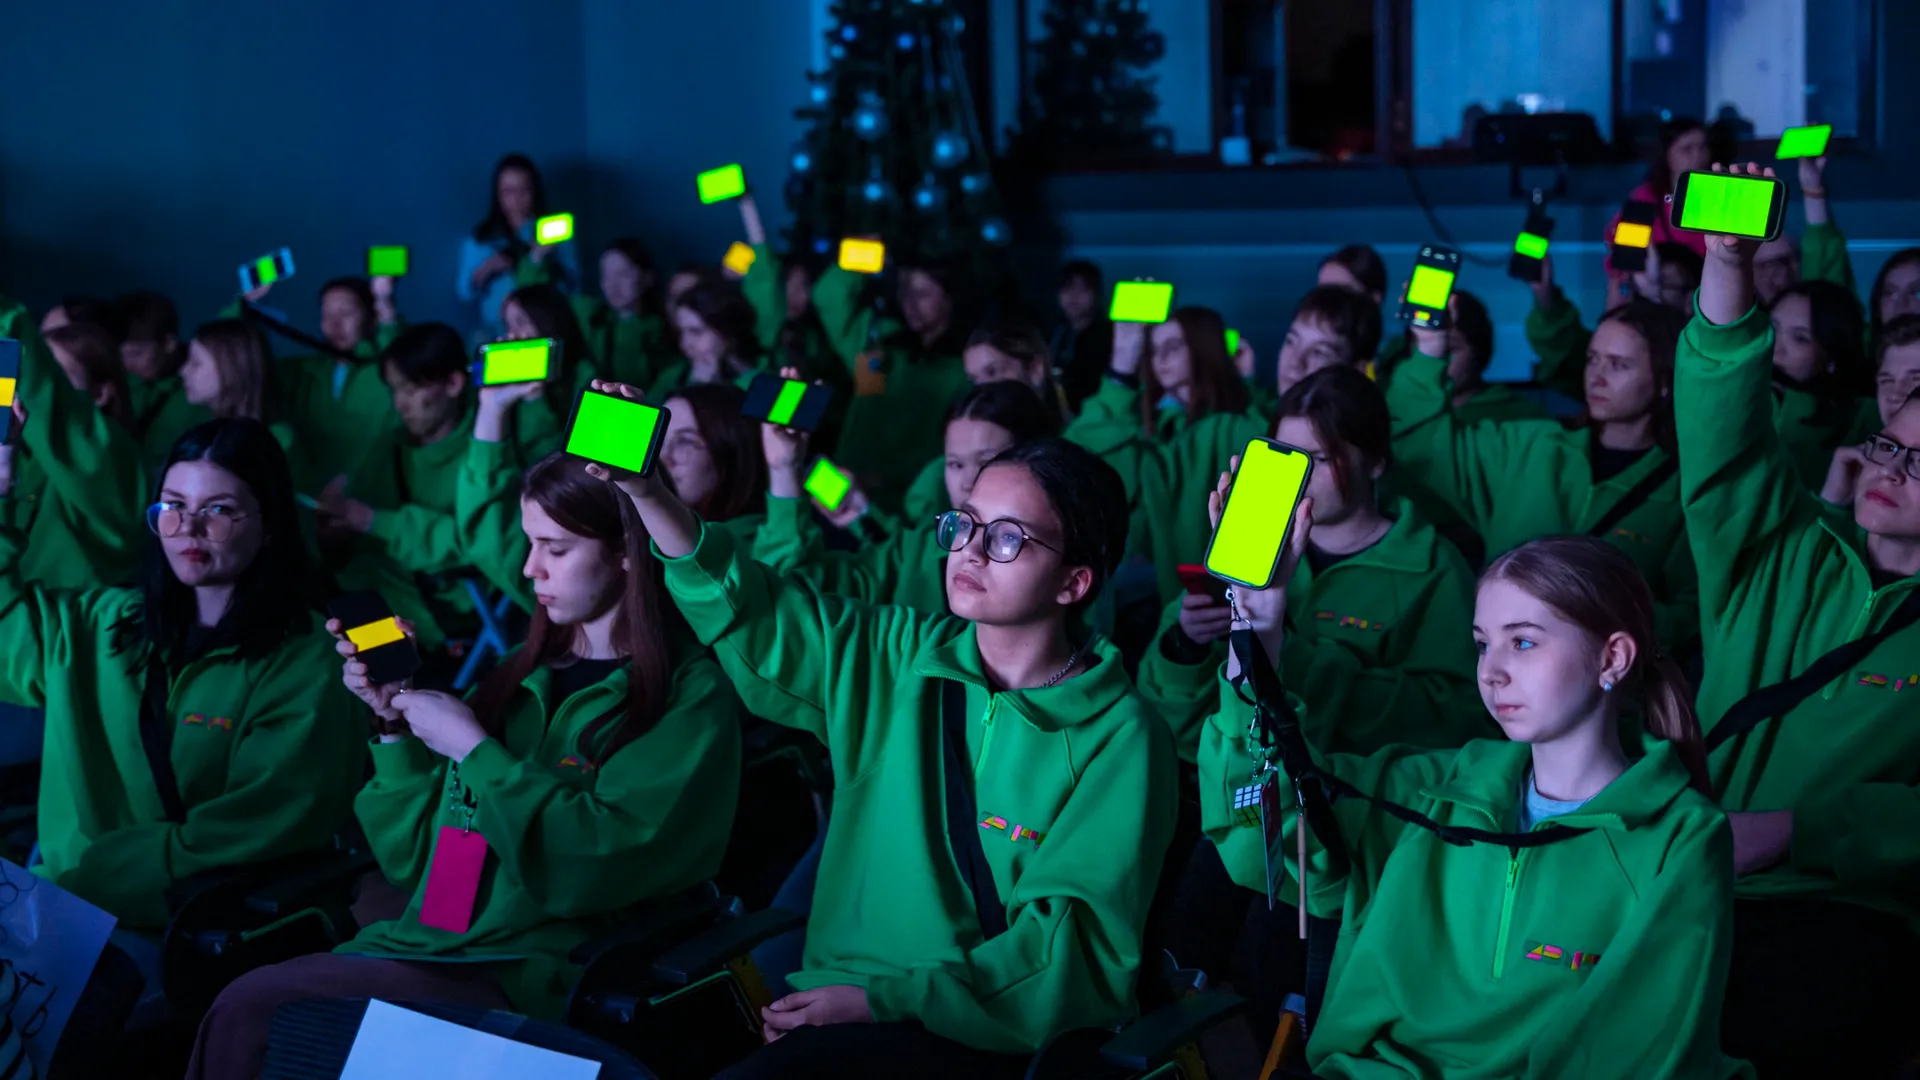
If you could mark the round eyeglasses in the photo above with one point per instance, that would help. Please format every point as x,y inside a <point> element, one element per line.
<point>172,519</point>
<point>1884,451</point>
<point>1002,540</point>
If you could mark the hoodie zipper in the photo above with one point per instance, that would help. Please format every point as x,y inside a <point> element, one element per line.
<point>1859,629</point>
<point>1506,914</point>
<point>986,734</point>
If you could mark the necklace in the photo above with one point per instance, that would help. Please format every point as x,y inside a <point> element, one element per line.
<point>1062,673</point>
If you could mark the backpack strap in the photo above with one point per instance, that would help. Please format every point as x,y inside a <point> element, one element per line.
<point>1635,496</point>
<point>156,739</point>
<point>1768,702</point>
<point>963,816</point>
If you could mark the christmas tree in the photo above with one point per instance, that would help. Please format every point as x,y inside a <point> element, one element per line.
<point>894,149</point>
<point>1089,105</point>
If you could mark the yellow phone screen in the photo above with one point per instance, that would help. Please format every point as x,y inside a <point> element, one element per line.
<point>1253,527</point>
<point>6,393</point>
<point>375,634</point>
<point>1628,234</point>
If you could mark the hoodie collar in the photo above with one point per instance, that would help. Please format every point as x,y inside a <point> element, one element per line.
<point>1407,548</point>
<point>1486,778</point>
<point>1055,708</point>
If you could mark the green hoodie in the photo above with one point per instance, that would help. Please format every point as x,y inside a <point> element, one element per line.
<point>337,407</point>
<point>900,419</point>
<point>629,348</point>
<point>907,568</point>
<point>79,485</point>
<point>1783,581</point>
<point>1170,525</point>
<point>571,842</point>
<point>1075,785</point>
<point>162,414</point>
<point>1383,641</point>
<point>538,425</point>
<point>1480,962</point>
<point>267,752</point>
<point>1521,480</point>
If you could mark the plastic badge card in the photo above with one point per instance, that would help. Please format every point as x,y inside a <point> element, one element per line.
<point>399,1044</point>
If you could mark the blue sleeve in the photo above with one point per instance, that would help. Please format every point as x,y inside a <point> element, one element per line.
<point>569,257</point>
<point>472,254</point>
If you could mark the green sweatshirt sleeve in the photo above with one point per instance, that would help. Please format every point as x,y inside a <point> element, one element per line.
<point>658,811</point>
<point>1823,256</point>
<point>836,296</point>
<point>767,293</point>
<point>93,462</point>
<point>290,784</point>
<point>397,806</point>
<point>1108,420</point>
<point>1178,677</point>
<point>791,543</point>
<point>1680,940</point>
<point>1460,463</point>
<point>1740,492</point>
<point>1071,950</point>
<point>1854,834</point>
<point>39,625</point>
<point>486,504</point>
<point>421,540</point>
<point>1560,341</point>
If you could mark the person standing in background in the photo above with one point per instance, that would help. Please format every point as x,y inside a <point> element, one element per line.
<point>501,256</point>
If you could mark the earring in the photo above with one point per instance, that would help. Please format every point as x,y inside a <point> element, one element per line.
<point>1606,685</point>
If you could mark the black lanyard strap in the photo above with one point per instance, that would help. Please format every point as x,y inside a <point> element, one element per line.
<point>963,818</point>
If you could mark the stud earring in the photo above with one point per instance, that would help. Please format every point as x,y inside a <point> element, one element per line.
<point>1606,685</point>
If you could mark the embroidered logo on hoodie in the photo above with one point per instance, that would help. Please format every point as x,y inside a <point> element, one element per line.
<point>202,720</point>
<point>1014,833</point>
<point>1888,683</point>
<point>1352,621</point>
<point>1559,957</point>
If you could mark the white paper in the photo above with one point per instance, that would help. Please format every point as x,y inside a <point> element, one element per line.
<point>50,940</point>
<point>400,1044</point>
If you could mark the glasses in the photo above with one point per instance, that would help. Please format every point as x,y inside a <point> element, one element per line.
<point>954,530</point>
<point>216,521</point>
<point>1884,451</point>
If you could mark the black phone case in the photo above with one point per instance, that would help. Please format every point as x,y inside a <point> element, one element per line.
<point>479,372</point>
<point>1525,267</point>
<point>764,391</point>
<point>390,663</point>
<point>1632,260</point>
<point>1776,213</point>
<point>652,459</point>
<point>9,369</point>
<point>1437,320</point>
<point>1285,537</point>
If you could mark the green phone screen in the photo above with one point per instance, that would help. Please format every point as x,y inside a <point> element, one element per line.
<point>1719,203</point>
<point>1799,142</point>
<point>828,484</point>
<point>1532,245</point>
<point>784,406</point>
<point>1141,301</point>
<point>1259,509</point>
<point>725,182</point>
<point>1430,287</point>
<point>386,261</point>
<point>516,361</point>
<point>553,229</point>
<point>613,431</point>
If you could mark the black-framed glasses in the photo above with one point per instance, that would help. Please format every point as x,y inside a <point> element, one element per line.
<point>172,519</point>
<point>1002,540</point>
<point>1884,451</point>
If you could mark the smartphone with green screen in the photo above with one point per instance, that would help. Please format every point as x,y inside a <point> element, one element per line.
<point>786,402</point>
<point>506,362</point>
<point>829,483</point>
<point>617,432</point>
<point>9,383</point>
<point>266,270</point>
<point>387,260</point>
<point>1799,142</point>
<point>1435,269</point>
<point>1253,530</point>
<point>1530,248</point>
<point>1141,301</point>
<point>721,184</point>
<point>1751,206</point>
<point>553,229</point>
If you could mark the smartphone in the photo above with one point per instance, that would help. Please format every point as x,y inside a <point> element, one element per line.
<point>1233,341</point>
<point>1529,248</point>
<point>1627,252</point>
<point>786,402</point>
<point>387,261</point>
<point>1799,142</point>
<point>616,432</point>
<point>1246,548</point>
<point>1141,301</point>
<point>739,258</point>
<point>368,622</point>
<point>1750,206</point>
<point>9,382</point>
<point>829,483</point>
<point>863,256</point>
<point>1197,581</point>
<point>553,229</point>
<point>1434,270</point>
<point>516,362</point>
<point>266,270</point>
<point>723,183</point>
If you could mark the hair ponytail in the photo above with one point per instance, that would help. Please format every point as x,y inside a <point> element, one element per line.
<point>1669,707</point>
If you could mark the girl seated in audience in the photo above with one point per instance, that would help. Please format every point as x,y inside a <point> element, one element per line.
<point>153,354</point>
<point>219,653</point>
<point>1620,919</point>
<point>717,342</point>
<point>1822,384</point>
<point>1896,292</point>
<point>229,372</point>
<point>501,255</point>
<point>338,403</point>
<point>625,325</point>
<point>1331,325</point>
<point>542,311</point>
<point>1684,147</point>
<point>913,967</point>
<point>1082,343</point>
<point>1356,268</point>
<point>780,289</point>
<point>599,765</point>
<point>1822,791</point>
<point>907,567</point>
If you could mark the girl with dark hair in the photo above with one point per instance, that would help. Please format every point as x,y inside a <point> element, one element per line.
<point>218,656</point>
<point>542,311</point>
<point>1896,291</point>
<point>718,343</point>
<point>906,567</point>
<point>1378,638</point>
<point>1611,474</point>
<point>152,355</point>
<point>338,403</point>
<point>626,325</point>
<point>501,255</point>
<point>1511,958</point>
<point>1082,343</point>
<point>922,969</point>
<point>599,766</point>
<point>1685,146</point>
<point>1823,384</point>
<point>1357,268</point>
<point>788,325</point>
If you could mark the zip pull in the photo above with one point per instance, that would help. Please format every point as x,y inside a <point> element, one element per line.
<point>1300,854</point>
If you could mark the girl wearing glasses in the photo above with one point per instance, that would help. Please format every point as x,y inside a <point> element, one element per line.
<point>217,663</point>
<point>912,965</point>
<point>908,567</point>
<point>1824,797</point>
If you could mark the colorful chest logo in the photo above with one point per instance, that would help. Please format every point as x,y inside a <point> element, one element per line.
<point>1908,682</point>
<point>1017,833</point>
<point>1349,621</point>
<point>1629,534</point>
<point>202,720</point>
<point>1559,957</point>
<point>573,762</point>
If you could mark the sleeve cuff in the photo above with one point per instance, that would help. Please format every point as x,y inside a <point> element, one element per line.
<point>1726,343</point>
<point>1177,648</point>
<point>785,514</point>
<point>407,759</point>
<point>703,581</point>
<point>484,457</point>
<point>385,526</point>
<point>897,998</point>
<point>487,764</point>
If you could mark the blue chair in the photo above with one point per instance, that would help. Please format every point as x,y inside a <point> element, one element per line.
<point>492,638</point>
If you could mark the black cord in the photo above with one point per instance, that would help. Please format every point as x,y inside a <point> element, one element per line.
<point>1439,230</point>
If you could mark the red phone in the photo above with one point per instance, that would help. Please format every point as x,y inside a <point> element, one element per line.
<point>1196,580</point>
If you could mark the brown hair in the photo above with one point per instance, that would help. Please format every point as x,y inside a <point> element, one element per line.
<point>724,308</point>
<point>1215,387</point>
<point>1903,330</point>
<point>244,358</point>
<point>594,509</point>
<point>1346,409</point>
<point>1023,343</point>
<point>1659,328</point>
<point>1594,586</point>
<point>93,348</point>
<point>1904,257</point>
<point>1365,265</point>
<point>733,441</point>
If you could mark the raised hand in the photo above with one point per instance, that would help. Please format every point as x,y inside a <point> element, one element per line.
<point>1129,344</point>
<point>354,675</point>
<point>635,485</point>
<point>1735,249</point>
<point>1543,289</point>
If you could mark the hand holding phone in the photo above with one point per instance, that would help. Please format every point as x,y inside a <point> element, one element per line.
<point>1739,208</point>
<point>618,434</point>
<point>1256,510</point>
<point>786,401</point>
<point>9,384</point>
<point>378,647</point>
<point>1430,288</point>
